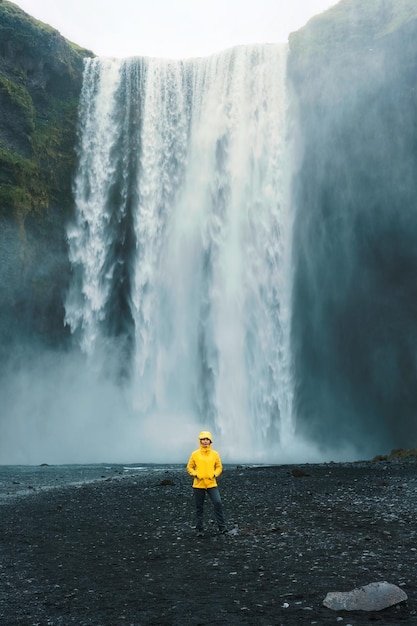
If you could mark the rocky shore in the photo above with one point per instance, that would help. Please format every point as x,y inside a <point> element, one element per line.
<point>122,549</point>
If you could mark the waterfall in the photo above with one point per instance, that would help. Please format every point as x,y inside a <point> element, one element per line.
<point>181,242</point>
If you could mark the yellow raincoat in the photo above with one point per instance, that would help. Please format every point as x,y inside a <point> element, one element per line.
<point>205,465</point>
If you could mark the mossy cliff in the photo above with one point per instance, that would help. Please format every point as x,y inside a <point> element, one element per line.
<point>40,82</point>
<point>353,71</point>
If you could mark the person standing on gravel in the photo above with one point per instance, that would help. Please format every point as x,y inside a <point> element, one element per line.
<point>205,466</point>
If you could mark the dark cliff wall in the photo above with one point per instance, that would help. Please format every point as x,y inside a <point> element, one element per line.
<point>354,330</point>
<point>40,82</point>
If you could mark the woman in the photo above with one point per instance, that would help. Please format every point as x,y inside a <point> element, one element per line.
<point>205,466</point>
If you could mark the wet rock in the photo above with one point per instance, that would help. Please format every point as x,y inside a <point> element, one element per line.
<point>373,597</point>
<point>299,473</point>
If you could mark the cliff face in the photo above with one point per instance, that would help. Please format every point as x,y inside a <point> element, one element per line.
<point>354,329</point>
<point>40,82</point>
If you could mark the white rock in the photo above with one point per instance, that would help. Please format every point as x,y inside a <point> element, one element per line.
<point>372,597</point>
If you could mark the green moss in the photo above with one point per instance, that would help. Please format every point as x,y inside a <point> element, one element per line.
<point>11,10</point>
<point>30,31</point>
<point>22,188</point>
<point>15,198</point>
<point>53,148</point>
<point>37,161</point>
<point>19,97</point>
<point>45,178</point>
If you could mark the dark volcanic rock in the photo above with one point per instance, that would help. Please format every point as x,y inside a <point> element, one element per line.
<point>124,550</point>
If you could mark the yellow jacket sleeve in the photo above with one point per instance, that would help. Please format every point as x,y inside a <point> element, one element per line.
<point>192,466</point>
<point>218,467</point>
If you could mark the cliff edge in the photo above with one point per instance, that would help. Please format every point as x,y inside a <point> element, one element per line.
<point>40,83</point>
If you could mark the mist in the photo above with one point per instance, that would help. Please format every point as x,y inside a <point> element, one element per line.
<point>355,230</point>
<point>57,410</point>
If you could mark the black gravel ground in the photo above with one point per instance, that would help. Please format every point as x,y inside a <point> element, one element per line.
<point>122,550</point>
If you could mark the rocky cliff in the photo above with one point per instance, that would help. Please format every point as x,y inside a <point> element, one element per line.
<point>354,330</point>
<point>40,82</point>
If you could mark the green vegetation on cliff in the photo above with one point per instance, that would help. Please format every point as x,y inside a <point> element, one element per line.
<point>40,81</point>
<point>19,97</point>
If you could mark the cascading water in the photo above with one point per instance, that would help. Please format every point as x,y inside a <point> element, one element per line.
<point>181,284</point>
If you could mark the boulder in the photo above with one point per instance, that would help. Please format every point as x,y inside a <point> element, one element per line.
<point>373,597</point>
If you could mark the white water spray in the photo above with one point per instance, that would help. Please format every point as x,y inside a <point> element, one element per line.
<point>183,230</point>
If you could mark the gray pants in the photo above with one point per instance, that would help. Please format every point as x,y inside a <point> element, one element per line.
<point>214,495</point>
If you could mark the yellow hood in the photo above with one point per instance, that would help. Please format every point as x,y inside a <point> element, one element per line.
<point>205,434</point>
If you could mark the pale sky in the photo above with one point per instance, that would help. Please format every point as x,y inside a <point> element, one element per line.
<point>172,28</point>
